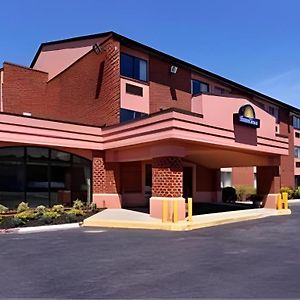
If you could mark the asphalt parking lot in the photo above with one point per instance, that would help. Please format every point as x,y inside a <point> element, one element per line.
<point>254,259</point>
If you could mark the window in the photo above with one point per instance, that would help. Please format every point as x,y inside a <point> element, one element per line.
<point>297,164</point>
<point>274,112</point>
<point>133,67</point>
<point>199,87</point>
<point>220,91</point>
<point>296,122</point>
<point>297,152</point>
<point>297,134</point>
<point>127,115</point>
<point>134,90</point>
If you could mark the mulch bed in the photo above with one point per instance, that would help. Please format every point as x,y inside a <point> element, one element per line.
<point>7,223</point>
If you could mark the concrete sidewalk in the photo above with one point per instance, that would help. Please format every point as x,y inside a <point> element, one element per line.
<point>123,218</point>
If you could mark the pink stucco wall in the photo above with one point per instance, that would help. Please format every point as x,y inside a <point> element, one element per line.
<point>53,59</point>
<point>133,102</point>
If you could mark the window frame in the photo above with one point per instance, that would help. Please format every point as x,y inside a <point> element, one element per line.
<point>135,59</point>
<point>200,83</point>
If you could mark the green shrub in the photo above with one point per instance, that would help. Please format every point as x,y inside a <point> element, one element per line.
<point>75,211</point>
<point>71,218</point>
<point>244,192</point>
<point>229,194</point>
<point>22,207</point>
<point>78,204</point>
<point>288,190</point>
<point>296,194</point>
<point>40,209</point>
<point>93,206</point>
<point>11,222</point>
<point>26,215</point>
<point>58,208</point>
<point>3,209</point>
<point>49,216</point>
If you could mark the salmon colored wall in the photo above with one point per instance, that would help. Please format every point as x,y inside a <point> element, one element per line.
<point>134,102</point>
<point>242,176</point>
<point>56,58</point>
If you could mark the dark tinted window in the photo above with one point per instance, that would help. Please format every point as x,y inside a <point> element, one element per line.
<point>199,87</point>
<point>133,67</point>
<point>127,115</point>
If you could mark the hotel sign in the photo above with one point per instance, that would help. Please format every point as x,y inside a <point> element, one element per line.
<point>246,115</point>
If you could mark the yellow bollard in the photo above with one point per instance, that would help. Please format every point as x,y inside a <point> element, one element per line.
<point>285,197</point>
<point>279,201</point>
<point>165,211</point>
<point>190,209</point>
<point>175,211</point>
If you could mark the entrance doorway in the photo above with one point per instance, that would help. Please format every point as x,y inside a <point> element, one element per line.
<point>187,182</point>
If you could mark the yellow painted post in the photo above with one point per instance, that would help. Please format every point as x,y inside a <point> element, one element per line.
<point>165,211</point>
<point>175,211</point>
<point>279,201</point>
<point>285,200</point>
<point>190,209</point>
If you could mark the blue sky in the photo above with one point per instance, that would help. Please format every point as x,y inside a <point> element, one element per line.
<point>253,42</point>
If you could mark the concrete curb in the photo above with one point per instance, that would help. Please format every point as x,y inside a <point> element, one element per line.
<point>218,219</point>
<point>43,228</point>
<point>291,201</point>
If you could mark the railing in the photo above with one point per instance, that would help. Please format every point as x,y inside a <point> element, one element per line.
<point>282,201</point>
<point>175,210</point>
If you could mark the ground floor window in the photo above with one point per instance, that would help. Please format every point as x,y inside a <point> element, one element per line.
<point>297,181</point>
<point>43,176</point>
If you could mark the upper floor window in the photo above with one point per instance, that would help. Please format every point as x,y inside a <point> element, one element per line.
<point>133,67</point>
<point>296,122</point>
<point>274,112</point>
<point>199,87</point>
<point>297,152</point>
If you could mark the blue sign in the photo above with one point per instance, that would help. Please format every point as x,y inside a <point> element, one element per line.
<point>246,116</point>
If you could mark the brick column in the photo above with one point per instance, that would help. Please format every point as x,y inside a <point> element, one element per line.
<point>268,184</point>
<point>167,180</point>
<point>106,183</point>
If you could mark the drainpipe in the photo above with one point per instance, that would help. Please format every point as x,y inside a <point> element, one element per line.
<point>1,90</point>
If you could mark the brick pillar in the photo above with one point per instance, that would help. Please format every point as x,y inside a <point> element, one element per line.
<point>268,184</point>
<point>106,183</point>
<point>167,180</point>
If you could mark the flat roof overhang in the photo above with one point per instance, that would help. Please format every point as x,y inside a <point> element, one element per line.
<point>170,132</point>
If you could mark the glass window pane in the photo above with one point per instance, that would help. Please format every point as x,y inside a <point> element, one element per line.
<point>204,87</point>
<point>196,87</point>
<point>142,70</point>
<point>12,153</point>
<point>60,156</point>
<point>127,65</point>
<point>35,153</point>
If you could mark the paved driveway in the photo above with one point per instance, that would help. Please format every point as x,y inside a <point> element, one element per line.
<point>255,259</point>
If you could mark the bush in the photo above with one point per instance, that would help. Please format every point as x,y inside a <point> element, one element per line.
<point>3,209</point>
<point>93,206</point>
<point>296,194</point>
<point>40,209</point>
<point>244,192</point>
<point>228,194</point>
<point>288,190</point>
<point>11,222</point>
<point>78,204</point>
<point>71,218</point>
<point>26,215</point>
<point>58,208</point>
<point>22,207</point>
<point>49,216</point>
<point>75,211</point>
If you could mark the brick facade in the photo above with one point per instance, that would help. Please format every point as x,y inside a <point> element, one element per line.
<point>167,177</point>
<point>87,92</point>
<point>106,176</point>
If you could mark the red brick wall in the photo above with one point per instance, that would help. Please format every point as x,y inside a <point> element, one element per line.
<point>24,90</point>
<point>287,162</point>
<point>268,180</point>
<point>242,176</point>
<point>131,177</point>
<point>164,86</point>
<point>74,95</point>
<point>106,176</point>
<point>167,177</point>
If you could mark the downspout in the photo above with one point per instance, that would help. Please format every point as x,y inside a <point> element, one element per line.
<point>1,90</point>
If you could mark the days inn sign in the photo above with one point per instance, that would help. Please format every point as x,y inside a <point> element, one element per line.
<point>246,115</point>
